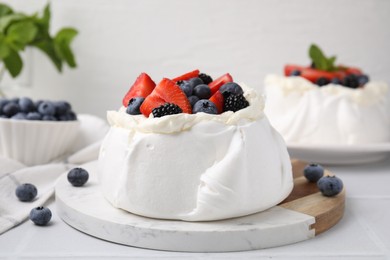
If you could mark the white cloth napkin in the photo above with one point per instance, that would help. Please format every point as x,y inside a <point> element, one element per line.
<point>13,173</point>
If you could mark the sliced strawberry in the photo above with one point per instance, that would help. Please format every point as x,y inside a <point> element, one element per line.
<point>217,83</point>
<point>218,100</point>
<point>166,92</point>
<point>187,76</point>
<point>142,87</point>
<point>289,68</point>
<point>352,70</point>
<point>313,74</point>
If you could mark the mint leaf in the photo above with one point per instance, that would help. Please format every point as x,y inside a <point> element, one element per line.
<point>62,43</point>
<point>320,61</point>
<point>22,33</point>
<point>47,46</point>
<point>13,63</point>
<point>7,20</point>
<point>5,9</point>
<point>4,49</point>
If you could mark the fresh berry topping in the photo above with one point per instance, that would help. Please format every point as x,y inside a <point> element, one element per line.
<point>47,108</point>
<point>217,83</point>
<point>49,118</point>
<point>187,88</point>
<point>205,78</point>
<point>193,100</point>
<point>336,81</point>
<point>26,105</point>
<point>166,92</point>
<point>11,109</point>
<point>351,81</point>
<point>330,185</point>
<point>218,100</point>
<point>322,81</point>
<point>78,177</point>
<point>205,106</point>
<point>313,172</point>
<point>295,73</point>
<point>202,91</point>
<point>142,87</point>
<point>26,192</point>
<point>231,88</point>
<point>62,108</point>
<point>20,116</point>
<point>195,82</point>
<point>363,79</point>
<point>40,216</point>
<point>352,70</point>
<point>166,109</point>
<point>187,76</point>
<point>235,103</point>
<point>180,82</point>
<point>134,105</point>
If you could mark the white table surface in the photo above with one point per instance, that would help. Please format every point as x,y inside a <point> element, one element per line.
<point>363,233</point>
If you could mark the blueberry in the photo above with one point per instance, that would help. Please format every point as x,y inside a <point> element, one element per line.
<point>20,116</point>
<point>206,106</point>
<point>34,116</point>
<point>134,105</point>
<point>351,81</point>
<point>3,102</point>
<point>40,216</point>
<point>295,73</point>
<point>232,88</point>
<point>14,100</point>
<point>61,107</point>
<point>187,88</point>
<point>26,192</point>
<point>71,115</point>
<point>10,109</point>
<point>26,104</point>
<point>47,108</point>
<point>336,81</point>
<point>363,79</point>
<point>37,103</point>
<point>48,118</point>
<point>78,177</point>
<point>202,91</point>
<point>313,172</point>
<point>193,100</point>
<point>322,81</point>
<point>330,185</point>
<point>195,82</point>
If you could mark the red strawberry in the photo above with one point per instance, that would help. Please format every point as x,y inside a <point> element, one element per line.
<point>187,76</point>
<point>142,87</point>
<point>313,74</point>
<point>290,68</point>
<point>218,100</point>
<point>166,92</point>
<point>355,71</point>
<point>217,83</point>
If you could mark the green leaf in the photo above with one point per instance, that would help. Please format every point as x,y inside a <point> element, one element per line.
<point>22,33</point>
<point>13,63</point>
<point>321,62</point>
<point>62,42</point>
<point>4,48</point>
<point>7,20</point>
<point>47,46</point>
<point>5,9</point>
<point>45,20</point>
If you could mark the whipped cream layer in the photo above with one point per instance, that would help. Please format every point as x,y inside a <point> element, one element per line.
<point>195,167</point>
<point>333,114</point>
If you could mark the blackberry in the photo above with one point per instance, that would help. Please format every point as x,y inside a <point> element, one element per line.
<point>322,81</point>
<point>235,103</point>
<point>179,82</point>
<point>205,78</point>
<point>351,81</point>
<point>166,109</point>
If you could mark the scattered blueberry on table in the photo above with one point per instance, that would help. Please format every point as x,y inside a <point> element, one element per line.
<point>40,216</point>
<point>330,185</point>
<point>26,192</point>
<point>78,177</point>
<point>313,172</point>
<point>25,108</point>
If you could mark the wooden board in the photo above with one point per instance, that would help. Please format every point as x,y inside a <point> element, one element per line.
<point>306,198</point>
<point>301,216</point>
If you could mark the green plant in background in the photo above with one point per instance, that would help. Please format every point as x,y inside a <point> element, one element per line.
<point>18,30</point>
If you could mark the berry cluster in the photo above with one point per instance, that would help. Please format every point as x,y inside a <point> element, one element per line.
<point>328,185</point>
<point>26,109</point>
<point>323,71</point>
<point>27,192</point>
<point>193,92</point>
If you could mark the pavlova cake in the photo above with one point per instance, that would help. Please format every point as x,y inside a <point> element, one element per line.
<point>192,148</point>
<point>328,104</point>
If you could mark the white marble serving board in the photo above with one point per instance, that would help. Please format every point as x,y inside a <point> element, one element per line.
<point>85,209</point>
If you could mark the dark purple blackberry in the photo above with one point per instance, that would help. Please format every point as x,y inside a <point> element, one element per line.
<point>351,81</point>
<point>166,109</point>
<point>179,82</point>
<point>235,103</point>
<point>322,81</point>
<point>205,78</point>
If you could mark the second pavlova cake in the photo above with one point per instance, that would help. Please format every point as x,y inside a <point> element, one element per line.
<point>193,149</point>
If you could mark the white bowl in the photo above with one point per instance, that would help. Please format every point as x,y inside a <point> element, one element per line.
<point>36,142</point>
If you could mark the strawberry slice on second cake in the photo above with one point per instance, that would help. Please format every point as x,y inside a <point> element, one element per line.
<point>142,87</point>
<point>166,92</point>
<point>217,83</point>
<point>187,76</point>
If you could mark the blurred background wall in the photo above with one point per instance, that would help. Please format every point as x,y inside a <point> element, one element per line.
<point>118,39</point>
